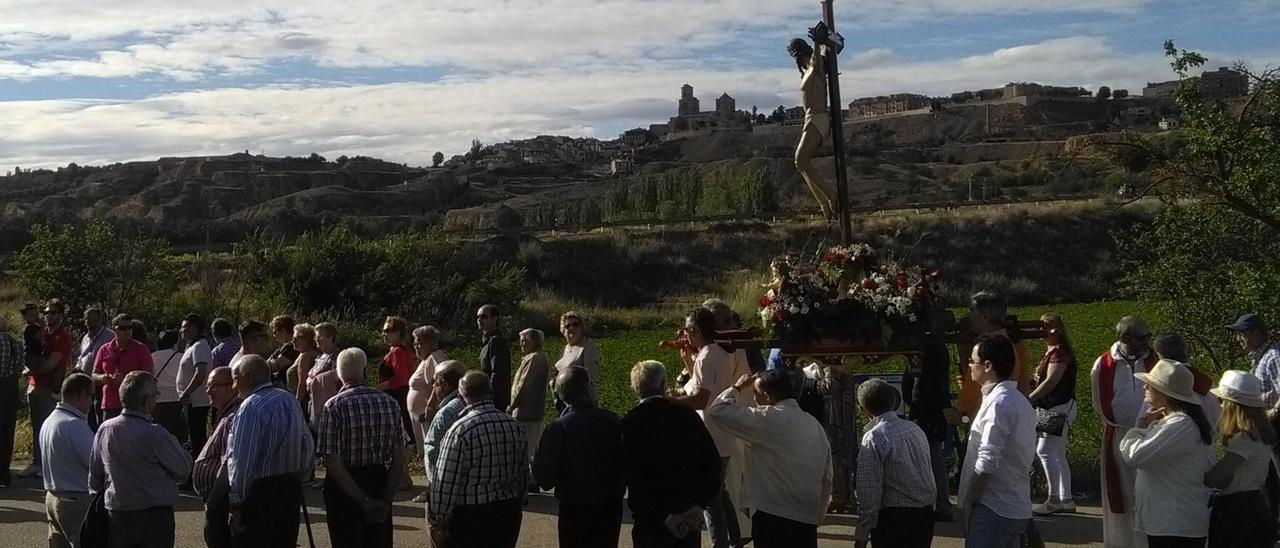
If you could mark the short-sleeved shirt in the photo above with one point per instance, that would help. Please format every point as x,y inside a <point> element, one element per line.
<point>195,354</point>
<point>111,359</point>
<point>164,363</point>
<point>362,426</point>
<point>713,372</point>
<point>55,340</point>
<point>396,368</point>
<point>1252,473</point>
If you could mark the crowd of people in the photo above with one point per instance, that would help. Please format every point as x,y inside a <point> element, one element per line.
<point>753,450</point>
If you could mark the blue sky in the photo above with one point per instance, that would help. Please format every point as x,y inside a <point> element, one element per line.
<point>105,81</point>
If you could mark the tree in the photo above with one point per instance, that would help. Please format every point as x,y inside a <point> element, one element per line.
<point>779,114</point>
<point>1104,93</point>
<point>437,159</point>
<point>1214,251</point>
<point>476,147</point>
<point>1120,94</point>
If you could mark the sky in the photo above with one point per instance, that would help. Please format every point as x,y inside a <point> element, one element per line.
<point>103,81</point>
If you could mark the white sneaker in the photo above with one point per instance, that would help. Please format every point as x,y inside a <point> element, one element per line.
<point>1050,508</point>
<point>30,471</point>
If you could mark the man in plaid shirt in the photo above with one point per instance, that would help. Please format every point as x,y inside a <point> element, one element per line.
<point>361,433</point>
<point>896,491</point>
<point>478,486</point>
<point>12,359</point>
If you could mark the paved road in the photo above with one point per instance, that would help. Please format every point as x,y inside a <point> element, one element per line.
<point>22,523</point>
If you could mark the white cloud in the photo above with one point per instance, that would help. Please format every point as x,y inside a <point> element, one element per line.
<point>407,122</point>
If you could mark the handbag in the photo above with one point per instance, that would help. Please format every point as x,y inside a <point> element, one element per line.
<point>95,532</point>
<point>1050,422</point>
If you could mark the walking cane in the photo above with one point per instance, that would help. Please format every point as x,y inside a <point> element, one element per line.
<point>306,518</point>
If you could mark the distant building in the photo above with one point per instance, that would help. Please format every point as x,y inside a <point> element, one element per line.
<point>690,117</point>
<point>635,137</point>
<point>1170,122</point>
<point>622,164</point>
<point>1019,89</point>
<point>868,107</point>
<point>1223,83</point>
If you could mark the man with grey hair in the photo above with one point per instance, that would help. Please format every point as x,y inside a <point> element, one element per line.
<point>672,464</point>
<point>362,438</point>
<point>444,390</point>
<point>137,465</point>
<point>479,483</point>
<point>209,476</point>
<point>1118,399</point>
<point>896,490</point>
<point>529,391</point>
<point>269,453</point>
<point>580,456</point>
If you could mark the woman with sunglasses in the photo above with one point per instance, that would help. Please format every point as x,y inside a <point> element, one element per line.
<point>578,350</point>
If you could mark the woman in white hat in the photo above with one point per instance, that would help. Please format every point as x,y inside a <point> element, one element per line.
<point>1239,517</point>
<point>1171,447</point>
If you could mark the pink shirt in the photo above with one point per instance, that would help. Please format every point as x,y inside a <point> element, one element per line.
<point>322,383</point>
<point>111,359</point>
<point>420,383</point>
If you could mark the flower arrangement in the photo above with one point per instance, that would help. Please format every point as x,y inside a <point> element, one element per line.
<point>846,293</point>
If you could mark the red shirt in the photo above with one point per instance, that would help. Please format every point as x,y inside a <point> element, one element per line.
<point>111,359</point>
<point>57,340</point>
<point>397,366</point>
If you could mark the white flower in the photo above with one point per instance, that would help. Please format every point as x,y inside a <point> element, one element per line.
<point>794,309</point>
<point>804,309</point>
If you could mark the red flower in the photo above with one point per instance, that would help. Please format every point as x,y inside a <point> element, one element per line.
<point>921,291</point>
<point>868,284</point>
<point>779,314</point>
<point>902,280</point>
<point>764,301</point>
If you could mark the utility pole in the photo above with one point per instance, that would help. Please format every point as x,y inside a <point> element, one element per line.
<point>837,128</point>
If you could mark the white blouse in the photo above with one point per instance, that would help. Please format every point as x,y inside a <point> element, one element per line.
<point>1170,498</point>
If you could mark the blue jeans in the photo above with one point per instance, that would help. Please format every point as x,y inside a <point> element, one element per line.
<point>988,529</point>
<point>721,516</point>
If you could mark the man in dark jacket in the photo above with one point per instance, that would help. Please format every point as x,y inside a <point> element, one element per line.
<point>671,465</point>
<point>495,355</point>
<point>580,456</point>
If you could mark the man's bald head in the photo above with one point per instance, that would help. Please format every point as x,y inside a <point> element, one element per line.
<point>574,385</point>
<point>474,387</point>
<point>219,374</point>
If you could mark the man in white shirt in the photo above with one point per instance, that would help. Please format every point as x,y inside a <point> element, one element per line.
<point>192,371</point>
<point>895,485</point>
<point>711,373</point>
<point>995,482</point>
<point>1118,400</point>
<point>66,442</point>
<point>788,484</point>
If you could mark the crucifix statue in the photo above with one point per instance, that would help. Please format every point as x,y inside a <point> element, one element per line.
<point>823,116</point>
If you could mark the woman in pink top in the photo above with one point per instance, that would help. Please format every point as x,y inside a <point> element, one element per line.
<point>322,379</point>
<point>426,345</point>
<point>115,360</point>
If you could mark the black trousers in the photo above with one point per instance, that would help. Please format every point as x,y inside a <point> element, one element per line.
<point>217,533</point>
<point>653,533</point>
<point>347,527</point>
<point>270,513</point>
<point>1241,520</point>
<point>169,416</point>
<point>1174,542</point>
<point>490,525</point>
<point>770,531</point>
<point>590,525</point>
<point>150,528</point>
<point>903,528</point>
<point>8,424</point>
<point>197,427</point>
<point>108,414</point>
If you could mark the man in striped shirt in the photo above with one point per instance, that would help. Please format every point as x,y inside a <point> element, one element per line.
<point>269,453</point>
<point>480,480</point>
<point>209,476</point>
<point>362,438</point>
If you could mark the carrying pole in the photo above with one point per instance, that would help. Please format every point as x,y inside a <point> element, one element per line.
<point>836,111</point>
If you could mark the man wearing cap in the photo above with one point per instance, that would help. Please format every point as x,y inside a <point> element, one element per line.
<point>1264,355</point>
<point>1117,398</point>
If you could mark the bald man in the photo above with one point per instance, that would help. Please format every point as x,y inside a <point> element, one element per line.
<point>208,476</point>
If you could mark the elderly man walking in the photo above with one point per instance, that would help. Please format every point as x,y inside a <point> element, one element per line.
<point>209,476</point>
<point>269,453</point>
<point>1118,399</point>
<point>995,480</point>
<point>137,465</point>
<point>789,482</point>
<point>672,466</point>
<point>481,477</point>
<point>580,456</point>
<point>67,443</point>
<point>895,490</point>
<point>362,438</point>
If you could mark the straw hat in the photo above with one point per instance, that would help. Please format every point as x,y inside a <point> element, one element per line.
<point>1240,387</point>
<point>1172,379</point>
